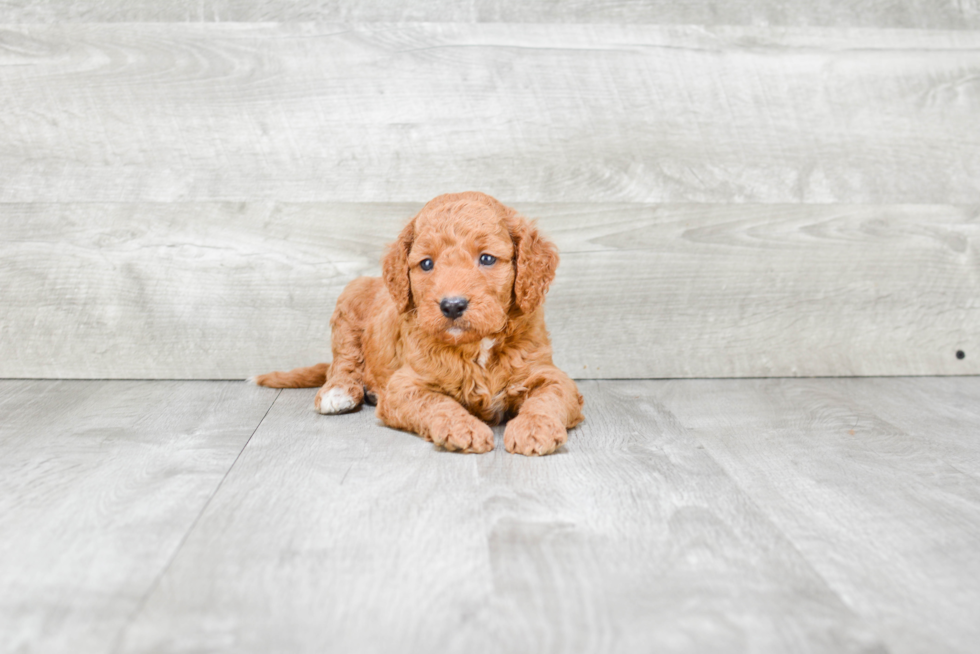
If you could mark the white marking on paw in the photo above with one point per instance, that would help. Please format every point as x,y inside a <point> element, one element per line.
<point>485,346</point>
<point>336,401</point>
<point>253,380</point>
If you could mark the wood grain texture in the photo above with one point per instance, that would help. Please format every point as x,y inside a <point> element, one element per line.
<point>530,113</point>
<point>336,534</point>
<point>900,401</point>
<point>825,515</point>
<point>876,482</point>
<point>226,290</point>
<point>99,483</point>
<point>932,14</point>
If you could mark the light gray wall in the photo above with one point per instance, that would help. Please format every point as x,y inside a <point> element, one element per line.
<point>769,191</point>
<point>921,14</point>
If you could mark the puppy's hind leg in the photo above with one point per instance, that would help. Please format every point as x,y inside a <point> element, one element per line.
<point>343,390</point>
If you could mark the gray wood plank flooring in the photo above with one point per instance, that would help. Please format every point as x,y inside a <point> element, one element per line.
<point>825,515</point>
<point>593,550</point>
<point>99,484</point>
<point>227,290</point>
<point>862,460</point>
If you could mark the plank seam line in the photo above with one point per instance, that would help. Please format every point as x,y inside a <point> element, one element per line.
<point>860,617</point>
<point>180,545</point>
<point>692,435</point>
<point>751,498</point>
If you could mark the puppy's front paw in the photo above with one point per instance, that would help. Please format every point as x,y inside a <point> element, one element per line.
<point>534,435</point>
<point>462,435</point>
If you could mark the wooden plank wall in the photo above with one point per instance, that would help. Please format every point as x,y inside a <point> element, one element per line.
<point>738,189</point>
<point>919,14</point>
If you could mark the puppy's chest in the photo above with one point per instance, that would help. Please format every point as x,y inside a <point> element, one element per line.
<point>491,382</point>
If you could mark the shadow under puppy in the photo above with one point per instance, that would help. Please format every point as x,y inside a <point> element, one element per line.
<point>452,337</point>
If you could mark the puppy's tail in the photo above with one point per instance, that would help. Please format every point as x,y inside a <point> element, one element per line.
<point>310,377</point>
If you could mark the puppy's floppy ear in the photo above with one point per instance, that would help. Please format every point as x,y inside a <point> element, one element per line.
<point>535,263</point>
<point>394,268</point>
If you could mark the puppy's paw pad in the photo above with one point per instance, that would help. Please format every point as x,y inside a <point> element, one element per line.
<point>335,400</point>
<point>534,435</point>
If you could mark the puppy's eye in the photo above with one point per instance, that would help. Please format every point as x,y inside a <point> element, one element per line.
<point>487,259</point>
<point>426,264</point>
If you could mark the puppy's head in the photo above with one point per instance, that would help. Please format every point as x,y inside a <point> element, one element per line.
<point>465,264</point>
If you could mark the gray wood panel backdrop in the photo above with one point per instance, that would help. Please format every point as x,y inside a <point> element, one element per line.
<point>738,188</point>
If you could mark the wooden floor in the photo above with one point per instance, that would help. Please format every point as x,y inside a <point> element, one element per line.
<point>776,515</point>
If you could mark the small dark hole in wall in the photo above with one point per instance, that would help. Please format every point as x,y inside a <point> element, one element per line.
<point>960,354</point>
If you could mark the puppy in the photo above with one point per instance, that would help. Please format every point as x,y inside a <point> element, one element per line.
<point>452,338</point>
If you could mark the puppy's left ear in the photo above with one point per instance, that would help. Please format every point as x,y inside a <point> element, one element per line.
<point>536,262</point>
<point>394,268</point>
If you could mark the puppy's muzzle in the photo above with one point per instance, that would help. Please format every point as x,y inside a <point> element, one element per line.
<point>453,307</point>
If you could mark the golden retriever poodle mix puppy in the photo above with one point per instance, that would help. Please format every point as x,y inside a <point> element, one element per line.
<point>452,338</point>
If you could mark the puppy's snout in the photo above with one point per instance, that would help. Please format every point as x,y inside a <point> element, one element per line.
<point>453,307</point>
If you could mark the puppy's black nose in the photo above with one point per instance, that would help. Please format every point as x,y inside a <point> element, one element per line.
<point>453,307</point>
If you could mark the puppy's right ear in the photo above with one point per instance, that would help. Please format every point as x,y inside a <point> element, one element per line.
<point>394,268</point>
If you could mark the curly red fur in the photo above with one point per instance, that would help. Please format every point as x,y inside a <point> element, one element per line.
<point>446,378</point>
